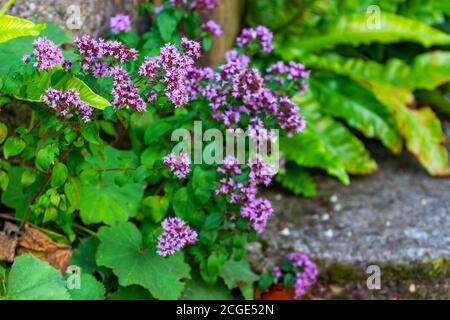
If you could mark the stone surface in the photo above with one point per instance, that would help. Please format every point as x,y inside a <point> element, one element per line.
<point>398,215</point>
<point>93,14</point>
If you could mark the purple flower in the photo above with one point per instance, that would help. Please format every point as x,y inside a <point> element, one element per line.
<point>230,166</point>
<point>67,65</point>
<point>118,51</point>
<point>294,72</point>
<point>178,3</point>
<point>175,236</point>
<point>192,48</point>
<point>258,211</point>
<point>305,278</point>
<point>47,54</point>
<point>97,54</point>
<point>99,69</point>
<point>26,58</point>
<point>179,165</point>
<point>260,172</point>
<point>120,22</point>
<point>212,28</point>
<point>150,68</point>
<point>289,117</point>
<point>260,34</point>
<point>176,67</point>
<point>151,96</point>
<point>67,102</point>
<point>276,272</point>
<point>226,186</point>
<point>194,78</point>
<point>203,4</point>
<point>89,49</point>
<point>126,95</point>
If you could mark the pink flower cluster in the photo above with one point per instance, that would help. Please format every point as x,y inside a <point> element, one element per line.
<point>175,236</point>
<point>97,55</point>
<point>47,54</point>
<point>179,165</point>
<point>293,71</point>
<point>120,22</point>
<point>203,4</point>
<point>67,102</point>
<point>126,95</point>
<point>176,67</point>
<point>305,278</point>
<point>239,90</point>
<point>212,28</point>
<point>195,4</point>
<point>257,210</point>
<point>288,117</point>
<point>260,34</point>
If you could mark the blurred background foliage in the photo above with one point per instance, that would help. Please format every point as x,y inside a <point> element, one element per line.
<point>387,82</point>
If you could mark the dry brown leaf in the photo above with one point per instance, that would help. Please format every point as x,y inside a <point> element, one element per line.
<point>41,246</point>
<point>8,242</point>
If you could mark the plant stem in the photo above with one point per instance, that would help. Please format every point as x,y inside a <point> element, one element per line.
<point>36,196</point>
<point>89,231</point>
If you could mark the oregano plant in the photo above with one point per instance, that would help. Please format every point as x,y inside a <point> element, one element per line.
<point>116,148</point>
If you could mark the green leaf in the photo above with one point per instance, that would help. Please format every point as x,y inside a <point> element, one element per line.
<point>349,149</point>
<point>16,195</point>
<point>297,180</point>
<point>155,207</point>
<point>156,130</point>
<point>428,70</point>
<point>72,190</point>
<point>13,50</point>
<point>59,175</point>
<point>238,274</point>
<point>420,127</point>
<point>434,98</point>
<point>266,281</point>
<point>131,293</point>
<point>354,29</point>
<point>346,99</point>
<point>13,146</point>
<point>167,23</point>
<point>90,132</point>
<point>13,27</point>
<point>102,198</point>
<point>32,88</point>
<point>86,93</point>
<point>33,279</point>
<point>182,203</point>
<point>4,180</point>
<point>45,157</point>
<point>90,289</point>
<point>28,178</point>
<point>198,289</point>
<point>2,280</point>
<point>207,43</point>
<point>84,255</point>
<point>121,249</point>
<point>318,155</point>
<point>3,132</point>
